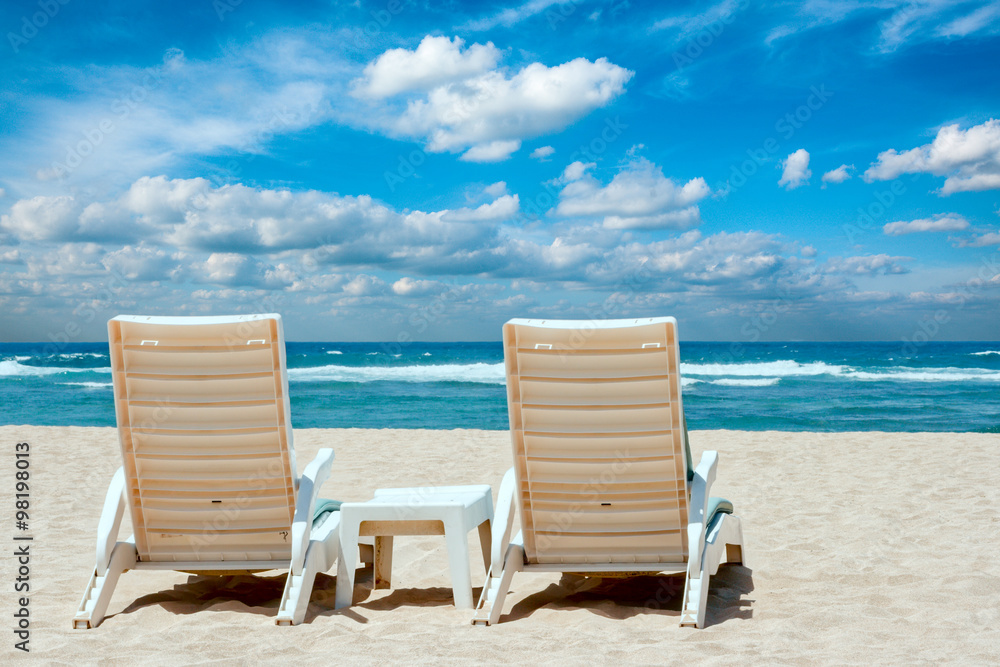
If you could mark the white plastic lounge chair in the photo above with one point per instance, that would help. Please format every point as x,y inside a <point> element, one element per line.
<point>209,469</point>
<point>601,478</point>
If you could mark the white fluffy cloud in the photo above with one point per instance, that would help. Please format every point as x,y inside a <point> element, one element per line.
<point>236,236</point>
<point>941,222</point>
<point>143,263</point>
<point>575,171</point>
<point>980,240</point>
<point>795,170</point>
<point>502,208</point>
<point>234,269</point>
<point>638,197</point>
<point>42,218</point>
<point>494,151</point>
<point>456,101</point>
<point>365,285</point>
<point>498,189</point>
<point>436,61</point>
<point>542,153</point>
<point>191,215</point>
<point>737,259</point>
<point>324,255</point>
<point>867,265</point>
<point>147,264</point>
<point>838,175</point>
<point>407,286</point>
<point>969,159</point>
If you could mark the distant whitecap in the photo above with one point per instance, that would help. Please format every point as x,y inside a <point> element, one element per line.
<point>12,368</point>
<point>478,373</point>
<point>782,368</point>
<point>747,382</point>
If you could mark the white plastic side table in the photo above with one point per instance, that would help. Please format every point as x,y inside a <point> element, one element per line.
<point>451,511</point>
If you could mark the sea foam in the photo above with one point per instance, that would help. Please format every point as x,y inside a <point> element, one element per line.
<point>905,374</point>
<point>13,368</point>
<point>781,368</point>
<point>747,382</point>
<point>480,373</point>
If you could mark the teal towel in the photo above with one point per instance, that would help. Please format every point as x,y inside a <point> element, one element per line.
<point>717,506</point>
<point>325,506</point>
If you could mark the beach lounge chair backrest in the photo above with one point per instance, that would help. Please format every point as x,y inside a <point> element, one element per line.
<point>596,419</point>
<point>601,480</point>
<point>208,471</point>
<point>205,432</point>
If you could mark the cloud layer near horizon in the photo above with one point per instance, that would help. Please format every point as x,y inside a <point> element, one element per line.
<point>199,243</point>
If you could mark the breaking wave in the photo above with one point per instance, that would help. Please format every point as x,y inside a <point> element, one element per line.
<point>479,373</point>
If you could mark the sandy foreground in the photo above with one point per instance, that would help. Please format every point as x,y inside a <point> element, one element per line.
<point>862,547</point>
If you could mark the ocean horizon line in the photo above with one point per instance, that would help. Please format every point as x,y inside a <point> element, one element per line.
<point>500,341</point>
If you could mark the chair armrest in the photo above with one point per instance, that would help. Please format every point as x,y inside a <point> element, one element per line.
<point>312,479</point>
<point>503,521</point>
<point>704,476</point>
<point>111,520</point>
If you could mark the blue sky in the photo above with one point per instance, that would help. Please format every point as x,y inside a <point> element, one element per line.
<point>425,171</point>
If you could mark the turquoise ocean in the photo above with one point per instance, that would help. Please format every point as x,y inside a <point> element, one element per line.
<point>760,386</point>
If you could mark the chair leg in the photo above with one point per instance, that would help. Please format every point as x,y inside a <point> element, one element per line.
<point>102,585</point>
<point>724,544</point>
<point>734,554</point>
<point>695,600</point>
<point>323,549</point>
<point>366,552</point>
<point>295,598</point>
<point>298,589</point>
<point>496,587</point>
<point>736,551</point>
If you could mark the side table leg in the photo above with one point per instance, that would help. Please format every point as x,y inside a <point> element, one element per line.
<point>457,538</point>
<point>348,560</point>
<point>383,562</point>
<point>486,541</point>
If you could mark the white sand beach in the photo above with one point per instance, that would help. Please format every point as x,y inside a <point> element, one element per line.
<point>862,547</point>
